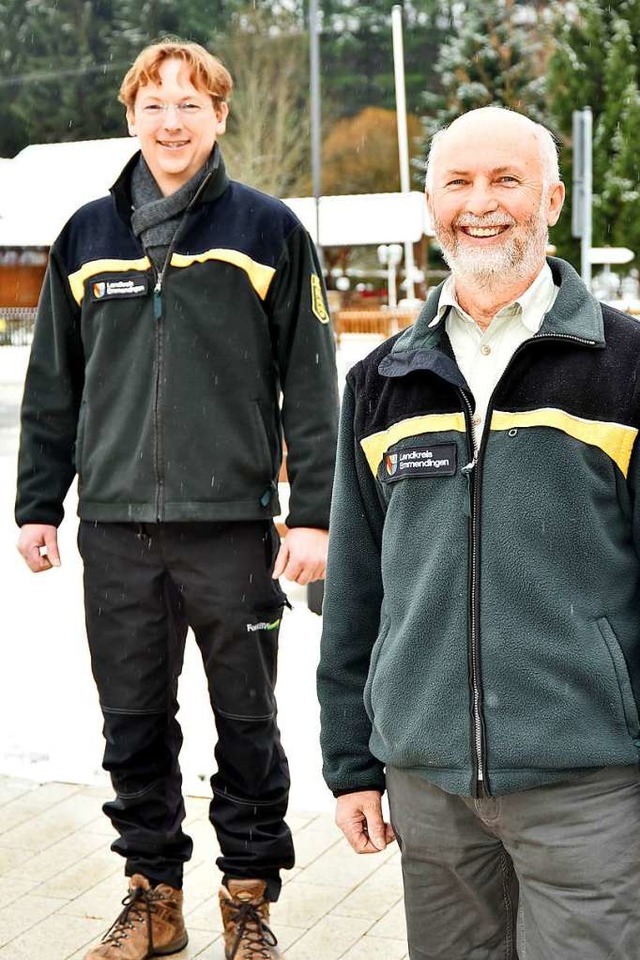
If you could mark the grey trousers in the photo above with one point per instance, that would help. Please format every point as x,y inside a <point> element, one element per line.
<point>551,873</point>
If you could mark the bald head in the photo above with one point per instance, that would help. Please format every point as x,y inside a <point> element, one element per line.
<point>490,124</point>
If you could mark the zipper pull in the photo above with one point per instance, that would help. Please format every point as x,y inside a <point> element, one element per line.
<point>157,299</point>
<point>268,494</point>
<point>467,472</point>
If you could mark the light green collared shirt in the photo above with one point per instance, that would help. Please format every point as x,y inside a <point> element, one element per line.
<point>483,355</point>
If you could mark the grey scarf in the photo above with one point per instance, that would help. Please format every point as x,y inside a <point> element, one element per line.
<point>156,218</point>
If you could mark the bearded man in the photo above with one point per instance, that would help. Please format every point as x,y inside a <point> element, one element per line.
<point>481,653</point>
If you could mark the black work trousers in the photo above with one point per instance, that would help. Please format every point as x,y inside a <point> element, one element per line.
<point>145,584</point>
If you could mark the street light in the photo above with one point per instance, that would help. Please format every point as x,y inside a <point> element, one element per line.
<point>390,255</point>
<point>316,117</point>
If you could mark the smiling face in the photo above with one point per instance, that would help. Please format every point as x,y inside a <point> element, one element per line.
<point>492,197</point>
<point>177,125</point>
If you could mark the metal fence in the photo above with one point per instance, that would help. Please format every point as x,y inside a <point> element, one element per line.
<point>16,326</point>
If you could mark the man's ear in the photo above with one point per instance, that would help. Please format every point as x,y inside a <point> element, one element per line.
<point>131,122</point>
<point>429,202</point>
<point>221,113</point>
<point>556,200</point>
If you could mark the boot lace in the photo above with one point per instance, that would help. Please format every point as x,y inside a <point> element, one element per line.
<point>138,908</point>
<point>253,933</point>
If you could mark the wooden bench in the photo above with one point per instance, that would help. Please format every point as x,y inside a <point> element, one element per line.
<point>376,322</point>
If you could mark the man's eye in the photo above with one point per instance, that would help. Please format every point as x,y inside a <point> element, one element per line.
<point>456,183</point>
<point>190,107</point>
<point>152,108</point>
<point>508,179</point>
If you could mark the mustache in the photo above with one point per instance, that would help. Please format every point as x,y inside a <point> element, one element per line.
<point>488,220</point>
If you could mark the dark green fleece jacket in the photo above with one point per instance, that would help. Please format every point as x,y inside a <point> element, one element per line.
<point>163,392</point>
<point>482,609</point>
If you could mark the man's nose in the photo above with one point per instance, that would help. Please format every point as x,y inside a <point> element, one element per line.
<point>481,199</point>
<point>172,116</point>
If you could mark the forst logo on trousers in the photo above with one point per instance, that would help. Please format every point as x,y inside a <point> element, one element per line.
<point>436,460</point>
<point>254,627</point>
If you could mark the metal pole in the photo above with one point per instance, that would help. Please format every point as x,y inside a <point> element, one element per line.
<point>403,138</point>
<point>314,84</point>
<point>587,195</point>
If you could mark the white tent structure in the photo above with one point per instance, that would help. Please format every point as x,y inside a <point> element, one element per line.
<point>364,219</point>
<point>45,183</point>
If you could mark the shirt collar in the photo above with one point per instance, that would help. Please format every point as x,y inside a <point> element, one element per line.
<point>532,305</point>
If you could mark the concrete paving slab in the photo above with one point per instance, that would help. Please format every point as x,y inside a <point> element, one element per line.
<point>74,890</point>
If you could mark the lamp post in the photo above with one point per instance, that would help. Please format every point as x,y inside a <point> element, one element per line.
<point>390,255</point>
<point>403,138</point>
<point>316,120</point>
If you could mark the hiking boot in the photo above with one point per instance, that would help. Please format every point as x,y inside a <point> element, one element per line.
<point>151,924</point>
<point>245,917</point>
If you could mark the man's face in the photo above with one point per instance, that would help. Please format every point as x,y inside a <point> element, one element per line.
<point>176,124</point>
<point>488,200</point>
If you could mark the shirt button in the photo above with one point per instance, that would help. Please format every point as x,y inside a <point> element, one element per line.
<point>485,349</point>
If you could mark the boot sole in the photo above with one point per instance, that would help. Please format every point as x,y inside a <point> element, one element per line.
<point>172,948</point>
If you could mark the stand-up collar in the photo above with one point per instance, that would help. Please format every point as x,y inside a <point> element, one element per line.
<point>575,313</point>
<point>214,184</point>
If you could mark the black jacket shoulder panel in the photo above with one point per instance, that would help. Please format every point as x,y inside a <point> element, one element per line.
<point>245,220</point>
<point>381,401</point>
<point>95,232</point>
<point>362,372</point>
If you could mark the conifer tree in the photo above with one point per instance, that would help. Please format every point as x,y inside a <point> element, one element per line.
<point>66,79</point>
<point>619,85</point>
<point>595,64</point>
<point>624,175</point>
<point>489,60</point>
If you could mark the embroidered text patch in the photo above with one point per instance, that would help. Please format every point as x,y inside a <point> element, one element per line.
<point>437,460</point>
<point>119,287</point>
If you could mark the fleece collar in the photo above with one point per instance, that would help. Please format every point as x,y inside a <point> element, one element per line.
<point>575,313</point>
<point>215,183</point>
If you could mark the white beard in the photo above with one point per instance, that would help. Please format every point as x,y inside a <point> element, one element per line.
<point>517,258</point>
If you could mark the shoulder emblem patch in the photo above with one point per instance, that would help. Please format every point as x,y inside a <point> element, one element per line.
<point>317,300</point>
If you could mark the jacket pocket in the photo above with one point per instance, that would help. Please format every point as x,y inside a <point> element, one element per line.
<point>263,451</point>
<point>376,650</point>
<point>77,453</point>
<point>629,705</point>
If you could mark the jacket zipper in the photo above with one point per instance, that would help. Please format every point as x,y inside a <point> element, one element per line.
<point>472,472</point>
<point>157,316</point>
<point>157,441</point>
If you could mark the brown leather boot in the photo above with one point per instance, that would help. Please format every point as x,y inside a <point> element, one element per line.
<point>245,917</point>
<point>151,924</point>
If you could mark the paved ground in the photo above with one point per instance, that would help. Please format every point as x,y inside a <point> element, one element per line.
<point>59,885</point>
<point>60,888</point>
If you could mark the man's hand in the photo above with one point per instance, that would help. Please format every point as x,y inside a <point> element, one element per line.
<point>38,544</point>
<point>303,555</point>
<point>359,816</point>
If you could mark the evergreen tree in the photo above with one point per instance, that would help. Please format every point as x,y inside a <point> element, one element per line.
<point>624,176</point>
<point>357,52</point>
<point>65,86</point>
<point>61,63</point>
<point>619,88</point>
<point>594,63</point>
<point>490,60</point>
<point>12,55</point>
